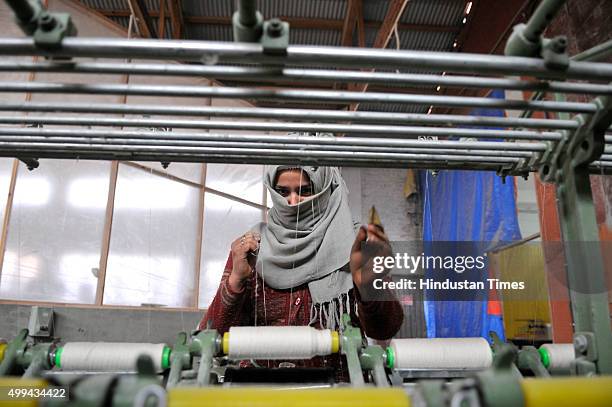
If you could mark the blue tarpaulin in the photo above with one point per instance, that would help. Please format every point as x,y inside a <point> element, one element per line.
<point>467,206</point>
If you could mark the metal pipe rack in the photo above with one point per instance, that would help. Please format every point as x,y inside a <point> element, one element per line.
<point>564,148</point>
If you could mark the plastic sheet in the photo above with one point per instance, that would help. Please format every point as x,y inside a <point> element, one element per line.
<point>467,206</point>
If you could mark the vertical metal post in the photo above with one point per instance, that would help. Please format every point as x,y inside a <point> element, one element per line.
<point>23,10</point>
<point>247,22</point>
<point>585,269</point>
<point>541,18</point>
<point>526,39</point>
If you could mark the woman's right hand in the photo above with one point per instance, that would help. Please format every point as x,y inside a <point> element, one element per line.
<point>244,251</point>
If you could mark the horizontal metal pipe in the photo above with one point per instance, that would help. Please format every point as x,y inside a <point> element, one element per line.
<point>378,130</point>
<point>254,159</point>
<point>247,145</point>
<point>306,55</point>
<point>250,159</point>
<point>300,95</point>
<point>288,139</point>
<point>309,155</point>
<point>258,74</point>
<point>291,114</point>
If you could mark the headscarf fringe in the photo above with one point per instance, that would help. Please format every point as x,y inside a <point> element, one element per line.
<point>329,314</point>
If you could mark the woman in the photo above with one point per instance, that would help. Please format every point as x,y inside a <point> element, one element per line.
<point>295,270</point>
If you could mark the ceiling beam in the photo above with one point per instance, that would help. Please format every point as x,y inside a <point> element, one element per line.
<point>143,20</point>
<point>295,22</point>
<point>141,25</point>
<point>386,30</point>
<point>161,27</point>
<point>360,24</point>
<point>176,18</point>
<point>394,13</point>
<point>349,24</point>
<point>492,24</point>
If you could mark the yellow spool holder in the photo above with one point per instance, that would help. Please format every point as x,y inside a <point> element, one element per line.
<point>3,347</point>
<point>226,343</point>
<point>335,342</point>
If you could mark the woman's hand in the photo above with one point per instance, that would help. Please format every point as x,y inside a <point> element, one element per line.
<point>361,261</point>
<point>244,251</point>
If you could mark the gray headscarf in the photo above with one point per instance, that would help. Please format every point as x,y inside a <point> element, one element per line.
<point>310,242</point>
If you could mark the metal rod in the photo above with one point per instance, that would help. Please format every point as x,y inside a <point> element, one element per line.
<point>260,138</point>
<point>307,55</point>
<point>591,54</point>
<point>291,114</point>
<point>255,159</point>
<point>378,130</point>
<point>250,159</point>
<point>296,95</point>
<point>22,9</point>
<point>247,145</point>
<point>262,153</point>
<point>259,74</point>
<point>541,18</point>
<point>598,52</point>
<point>247,10</point>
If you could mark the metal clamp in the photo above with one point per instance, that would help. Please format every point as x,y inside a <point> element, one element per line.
<point>47,29</point>
<point>249,26</point>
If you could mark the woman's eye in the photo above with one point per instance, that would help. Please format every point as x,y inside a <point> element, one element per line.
<point>282,191</point>
<point>306,191</point>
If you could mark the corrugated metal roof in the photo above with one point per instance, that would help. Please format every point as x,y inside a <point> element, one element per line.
<point>416,40</point>
<point>210,8</point>
<point>301,36</point>
<point>297,36</point>
<point>434,12</point>
<point>321,9</point>
<point>208,32</point>
<point>375,10</point>
<point>106,4</point>
<point>434,41</point>
<point>439,13</point>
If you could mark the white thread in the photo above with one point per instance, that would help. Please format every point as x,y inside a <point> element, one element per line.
<point>442,353</point>
<point>109,356</point>
<point>560,355</point>
<point>278,342</point>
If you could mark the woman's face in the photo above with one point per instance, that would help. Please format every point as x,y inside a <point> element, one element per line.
<point>294,185</point>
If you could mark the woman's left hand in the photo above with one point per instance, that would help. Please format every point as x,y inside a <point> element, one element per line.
<point>361,262</point>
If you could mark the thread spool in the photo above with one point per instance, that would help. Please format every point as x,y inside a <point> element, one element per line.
<point>110,356</point>
<point>279,342</point>
<point>557,356</point>
<point>439,353</point>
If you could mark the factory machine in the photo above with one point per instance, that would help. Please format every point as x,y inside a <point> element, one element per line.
<point>202,367</point>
